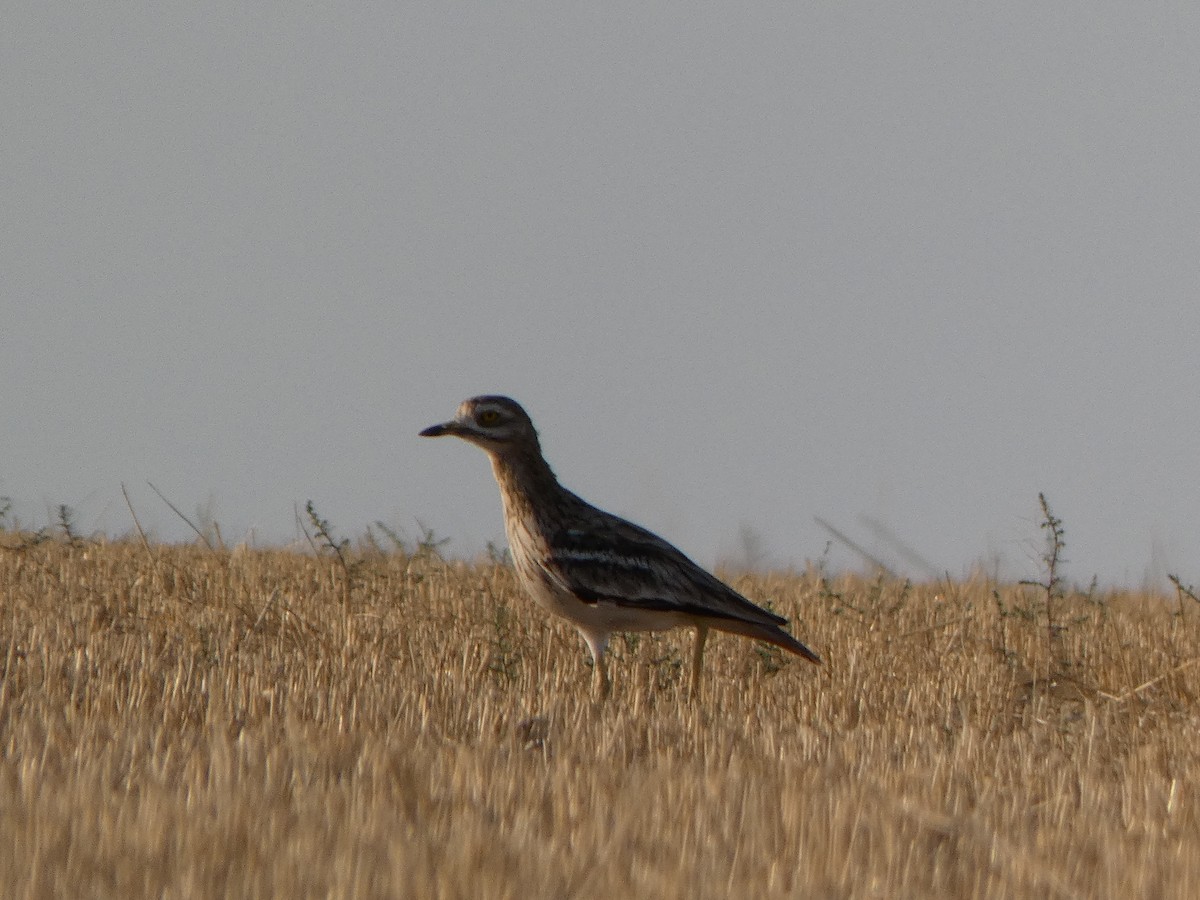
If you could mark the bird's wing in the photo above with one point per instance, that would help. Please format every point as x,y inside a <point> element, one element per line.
<point>618,562</point>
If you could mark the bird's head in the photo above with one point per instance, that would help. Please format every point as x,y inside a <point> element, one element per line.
<point>497,424</point>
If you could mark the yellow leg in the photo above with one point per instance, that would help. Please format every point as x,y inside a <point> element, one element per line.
<point>698,659</point>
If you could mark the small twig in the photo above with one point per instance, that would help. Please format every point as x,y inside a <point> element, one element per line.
<point>307,626</point>
<point>266,606</point>
<point>857,548</point>
<point>304,531</point>
<point>1182,591</point>
<point>934,627</point>
<point>907,553</point>
<point>175,510</point>
<point>138,526</point>
<point>1153,681</point>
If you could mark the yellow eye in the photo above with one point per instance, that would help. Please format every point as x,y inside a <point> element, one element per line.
<point>489,417</point>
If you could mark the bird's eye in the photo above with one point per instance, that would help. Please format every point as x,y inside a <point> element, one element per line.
<point>488,417</point>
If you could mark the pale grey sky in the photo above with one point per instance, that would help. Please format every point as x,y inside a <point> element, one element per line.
<point>744,264</point>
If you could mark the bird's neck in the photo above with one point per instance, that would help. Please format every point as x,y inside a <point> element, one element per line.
<point>523,476</point>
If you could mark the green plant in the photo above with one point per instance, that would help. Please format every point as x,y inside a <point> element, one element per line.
<point>1051,584</point>
<point>498,554</point>
<point>340,549</point>
<point>770,658</point>
<point>398,543</point>
<point>66,521</point>
<point>666,664</point>
<point>428,544</point>
<point>1182,591</point>
<point>503,658</point>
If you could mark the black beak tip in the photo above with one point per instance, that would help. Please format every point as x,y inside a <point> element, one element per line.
<point>435,431</point>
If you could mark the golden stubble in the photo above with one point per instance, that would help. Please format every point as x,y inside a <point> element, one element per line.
<point>180,722</point>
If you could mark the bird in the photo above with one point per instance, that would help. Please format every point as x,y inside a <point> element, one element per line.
<point>600,572</point>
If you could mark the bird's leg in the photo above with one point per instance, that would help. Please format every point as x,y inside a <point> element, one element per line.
<point>600,677</point>
<point>698,659</point>
<point>597,642</point>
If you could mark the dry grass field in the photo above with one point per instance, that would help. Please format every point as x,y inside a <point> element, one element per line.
<point>184,722</point>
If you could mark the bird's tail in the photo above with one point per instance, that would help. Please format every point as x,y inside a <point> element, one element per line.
<point>771,634</point>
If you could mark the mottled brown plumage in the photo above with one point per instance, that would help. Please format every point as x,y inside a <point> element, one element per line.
<point>598,571</point>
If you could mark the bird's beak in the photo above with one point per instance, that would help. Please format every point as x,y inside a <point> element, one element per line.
<point>439,430</point>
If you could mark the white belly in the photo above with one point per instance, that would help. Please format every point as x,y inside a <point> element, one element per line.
<point>599,616</point>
